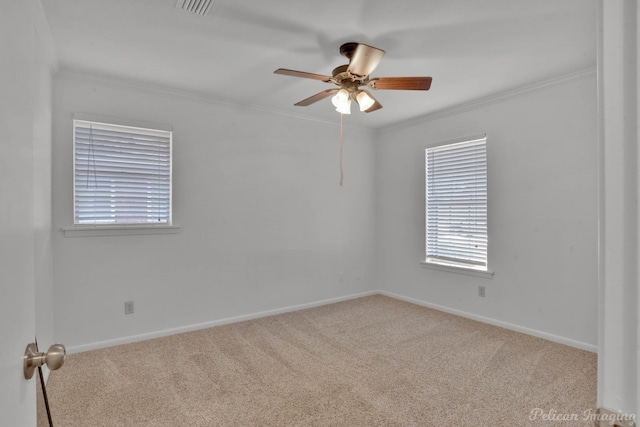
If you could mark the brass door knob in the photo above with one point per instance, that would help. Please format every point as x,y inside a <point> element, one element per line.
<point>54,358</point>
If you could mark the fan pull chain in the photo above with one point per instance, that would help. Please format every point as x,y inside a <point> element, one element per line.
<point>341,171</point>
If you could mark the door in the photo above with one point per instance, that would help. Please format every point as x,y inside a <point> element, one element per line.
<point>17,282</point>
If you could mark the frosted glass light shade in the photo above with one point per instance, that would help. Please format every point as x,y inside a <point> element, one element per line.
<point>342,102</point>
<point>364,100</point>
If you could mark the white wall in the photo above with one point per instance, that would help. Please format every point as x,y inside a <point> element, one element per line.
<point>542,189</point>
<point>265,224</point>
<point>25,254</point>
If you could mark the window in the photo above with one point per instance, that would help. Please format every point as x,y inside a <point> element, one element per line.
<point>456,204</point>
<point>122,174</point>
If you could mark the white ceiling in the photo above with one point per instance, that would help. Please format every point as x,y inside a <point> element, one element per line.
<point>471,48</point>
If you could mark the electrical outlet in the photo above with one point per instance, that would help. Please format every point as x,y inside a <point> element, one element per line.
<point>480,291</point>
<point>128,307</point>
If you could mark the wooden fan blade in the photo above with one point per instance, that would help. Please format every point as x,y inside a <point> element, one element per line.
<point>303,74</point>
<point>401,83</point>
<point>364,60</point>
<point>376,105</point>
<point>317,97</point>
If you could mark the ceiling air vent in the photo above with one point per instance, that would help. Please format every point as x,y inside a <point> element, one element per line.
<point>199,7</point>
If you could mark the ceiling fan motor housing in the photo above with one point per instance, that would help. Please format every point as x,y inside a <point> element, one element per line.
<point>347,49</point>
<point>343,78</point>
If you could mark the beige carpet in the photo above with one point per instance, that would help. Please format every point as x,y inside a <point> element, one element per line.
<point>373,361</point>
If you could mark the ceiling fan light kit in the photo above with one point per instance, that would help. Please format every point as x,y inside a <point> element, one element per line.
<point>342,102</point>
<point>363,59</point>
<point>364,100</point>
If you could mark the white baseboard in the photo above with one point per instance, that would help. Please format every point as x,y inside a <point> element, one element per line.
<point>257,315</point>
<point>219,322</point>
<point>547,336</point>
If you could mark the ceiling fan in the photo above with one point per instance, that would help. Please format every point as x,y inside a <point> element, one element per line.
<point>349,78</point>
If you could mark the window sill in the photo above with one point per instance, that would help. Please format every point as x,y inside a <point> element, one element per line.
<point>487,274</point>
<point>118,230</point>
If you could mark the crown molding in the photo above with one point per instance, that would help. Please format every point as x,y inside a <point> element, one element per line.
<point>494,98</point>
<point>140,86</point>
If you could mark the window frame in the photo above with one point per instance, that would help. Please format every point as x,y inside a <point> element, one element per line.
<point>133,228</point>
<point>456,265</point>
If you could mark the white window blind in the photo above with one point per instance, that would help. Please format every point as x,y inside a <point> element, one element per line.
<point>122,174</point>
<point>456,204</point>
